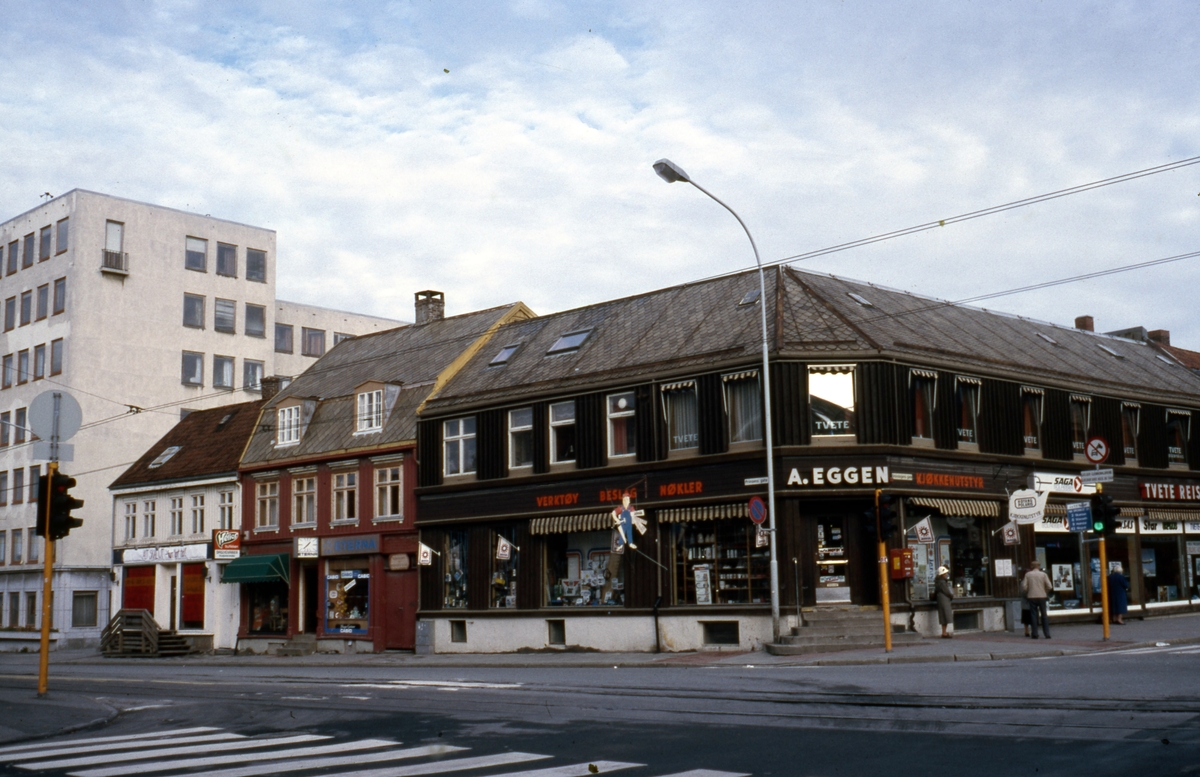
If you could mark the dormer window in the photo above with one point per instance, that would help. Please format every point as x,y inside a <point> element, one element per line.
<point>288,432</point>
<point>506,353</point>
<point>569,342</point>
<point>370,411</point>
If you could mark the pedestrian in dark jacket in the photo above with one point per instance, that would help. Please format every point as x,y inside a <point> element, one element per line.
<point>1118,595</point>
<point>945,595</point>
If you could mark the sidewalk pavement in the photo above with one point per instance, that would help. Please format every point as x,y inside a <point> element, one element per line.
<point>61,712</point>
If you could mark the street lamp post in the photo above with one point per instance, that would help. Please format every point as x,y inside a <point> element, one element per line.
<point>671,172</point>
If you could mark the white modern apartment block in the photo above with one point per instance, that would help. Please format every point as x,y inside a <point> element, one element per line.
<point>140,313</point>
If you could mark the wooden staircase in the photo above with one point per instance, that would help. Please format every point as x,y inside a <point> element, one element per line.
<point>832,629</point>
<point>135,633</point>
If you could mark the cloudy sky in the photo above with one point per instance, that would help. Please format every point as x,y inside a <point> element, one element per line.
<point>501,151</point>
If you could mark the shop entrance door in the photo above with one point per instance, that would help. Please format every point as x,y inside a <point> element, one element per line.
<point>174,602</point>
<point>833,561</point>
<point>400,603</point>
<point>311,606</point>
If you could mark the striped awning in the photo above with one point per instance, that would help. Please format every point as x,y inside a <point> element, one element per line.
<point>705,513</point>
<point>561,524</point>
<point>922,373</point>
<point>744,375</point>
<point>968,380</point>
<point>678,386</point>
<point>976,508</point>
<point>1061,510</point>
<point>1171,515</point>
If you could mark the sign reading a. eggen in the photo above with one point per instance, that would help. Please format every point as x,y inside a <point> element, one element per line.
<point>1060,483</point>
<point>868,475</point>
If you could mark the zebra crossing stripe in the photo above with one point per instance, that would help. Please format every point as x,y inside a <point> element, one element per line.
<point>442,767</point>
<point>218,760</point>
<point>162,752</point>
<point>211,740</point>
<point>300,764</point>
<point>106,740</point>
<point>708,773</point>
<point>574,770</point>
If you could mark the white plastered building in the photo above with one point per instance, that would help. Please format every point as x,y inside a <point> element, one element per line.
<point>141,313</point>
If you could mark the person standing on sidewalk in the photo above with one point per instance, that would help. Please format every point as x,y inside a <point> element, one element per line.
<point>1025,621</point>
<point>945,595</point>
<point>1118,595</point>
<point>1036,587</point>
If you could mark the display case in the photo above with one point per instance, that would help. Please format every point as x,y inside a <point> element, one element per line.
<point>716,562</point>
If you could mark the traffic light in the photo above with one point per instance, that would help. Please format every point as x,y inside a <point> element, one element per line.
<point>1105,515</point>
<point>43,505</point>
<point>886,511</point>
<point>61,505</point>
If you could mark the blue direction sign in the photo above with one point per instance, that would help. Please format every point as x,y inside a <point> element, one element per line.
<point>758,509</point>
<point>1079,516</point>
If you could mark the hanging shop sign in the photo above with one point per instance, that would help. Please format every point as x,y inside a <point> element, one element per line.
<point>160,554</point>
<point>350,545</point>
<point>866,475</point>
<point>1027,505</point>
<point>1060,483</point>
<point>227,543</point>
<point>1169,492</point>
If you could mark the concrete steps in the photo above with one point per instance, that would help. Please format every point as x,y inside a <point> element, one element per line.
<point>832,629</point>
<point>298,645</point>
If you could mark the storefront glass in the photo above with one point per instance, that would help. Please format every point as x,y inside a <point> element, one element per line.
<point>960,543</point>
<point>1161,571</point>
<point>582,570</point>
<point>268,607</point>
<point>347,596</point>
<point>193,596</point>
<point>504,571</point>
<point>455,563</point>
<point>1059,555</point>
<point>716,562</point>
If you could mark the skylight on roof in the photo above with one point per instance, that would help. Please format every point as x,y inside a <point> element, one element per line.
<point>1164,359</point>
<point>750,298</point>
<point>569,342</point>
<point>860,299</point>
<point>505,354</point>
<point>165,456</point>
<point>1109,351</point>
<point>1047,338</point>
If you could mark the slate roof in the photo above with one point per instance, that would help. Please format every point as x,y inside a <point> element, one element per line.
<point>210,444</point>
<point>411,357</point>
<point>699,327</point>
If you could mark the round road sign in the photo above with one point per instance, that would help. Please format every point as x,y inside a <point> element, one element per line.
<point>758,509</point>
<point>41,415</point>
<point>1096,449</point>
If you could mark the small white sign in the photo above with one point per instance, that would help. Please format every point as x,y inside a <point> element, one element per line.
<point>1027,506</point>
<point>703,584</point>
<point>1004,567</point>
<point>755,482</point>
<point>1060,483</point>
<point>1090,476</point>
<point>164,553</point>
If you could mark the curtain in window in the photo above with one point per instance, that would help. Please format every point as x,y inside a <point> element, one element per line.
<point>745,410</point>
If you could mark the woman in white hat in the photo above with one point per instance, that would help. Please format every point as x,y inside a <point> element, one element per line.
<point>945,595</point>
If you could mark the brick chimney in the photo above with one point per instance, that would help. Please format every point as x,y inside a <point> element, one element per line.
<point>431,306</point>
<point>1160,336</point>
<point>271,386</point>
<point>1086,323</point>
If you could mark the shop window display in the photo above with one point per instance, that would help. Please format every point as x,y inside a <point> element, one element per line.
<point>1161,578</point>
<point>268,607</point>
<point>347,596</point>
<point>455,562</point>
<point>582,570</point>
<point>717,562</point>
<point>504,570</point>
<point>1059,556</point>
<point>961,543</point>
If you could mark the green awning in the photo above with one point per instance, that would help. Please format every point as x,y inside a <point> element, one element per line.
<point>257,569</point>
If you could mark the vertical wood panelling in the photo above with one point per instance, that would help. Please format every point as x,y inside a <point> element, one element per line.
<point>641,575</point>
<point>1106,422</point>
<point>481,544</point>
<point>903,400</point>
<point>1000,429</point>
<point>1152,438</point>
<point>945,414</point>
<point>529,568</point>
<point>1193,448</point>
<point>591,438</point>
<point>541,437</point>
<point>710,412</point>
<point>1056,426</point>
<point>789,403</point>
<point>648,423</point>
<point>491,459</point>
<point>879,419</point>
<point>429,453</point>
<point>431,577</point>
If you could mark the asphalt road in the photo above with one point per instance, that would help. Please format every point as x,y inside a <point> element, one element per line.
<point>1124,713</point>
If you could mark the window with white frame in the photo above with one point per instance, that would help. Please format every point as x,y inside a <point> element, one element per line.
<point>345,496</point>
<point>197,513</point>
<point>562,432</point>
<point>370,411</point>
<point>622,434</point>
<point>176,516</point>
<point>388,492</point>
<point>520,437</point>
<point>459,439</point>
<point>289,425</point>
<point>304,501</point>
<point>266,513</point>
<point>148,514</point>
<point>225,505</point>
<point>679,408</point>
<point>743,406</point>
<point>131,520</point>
